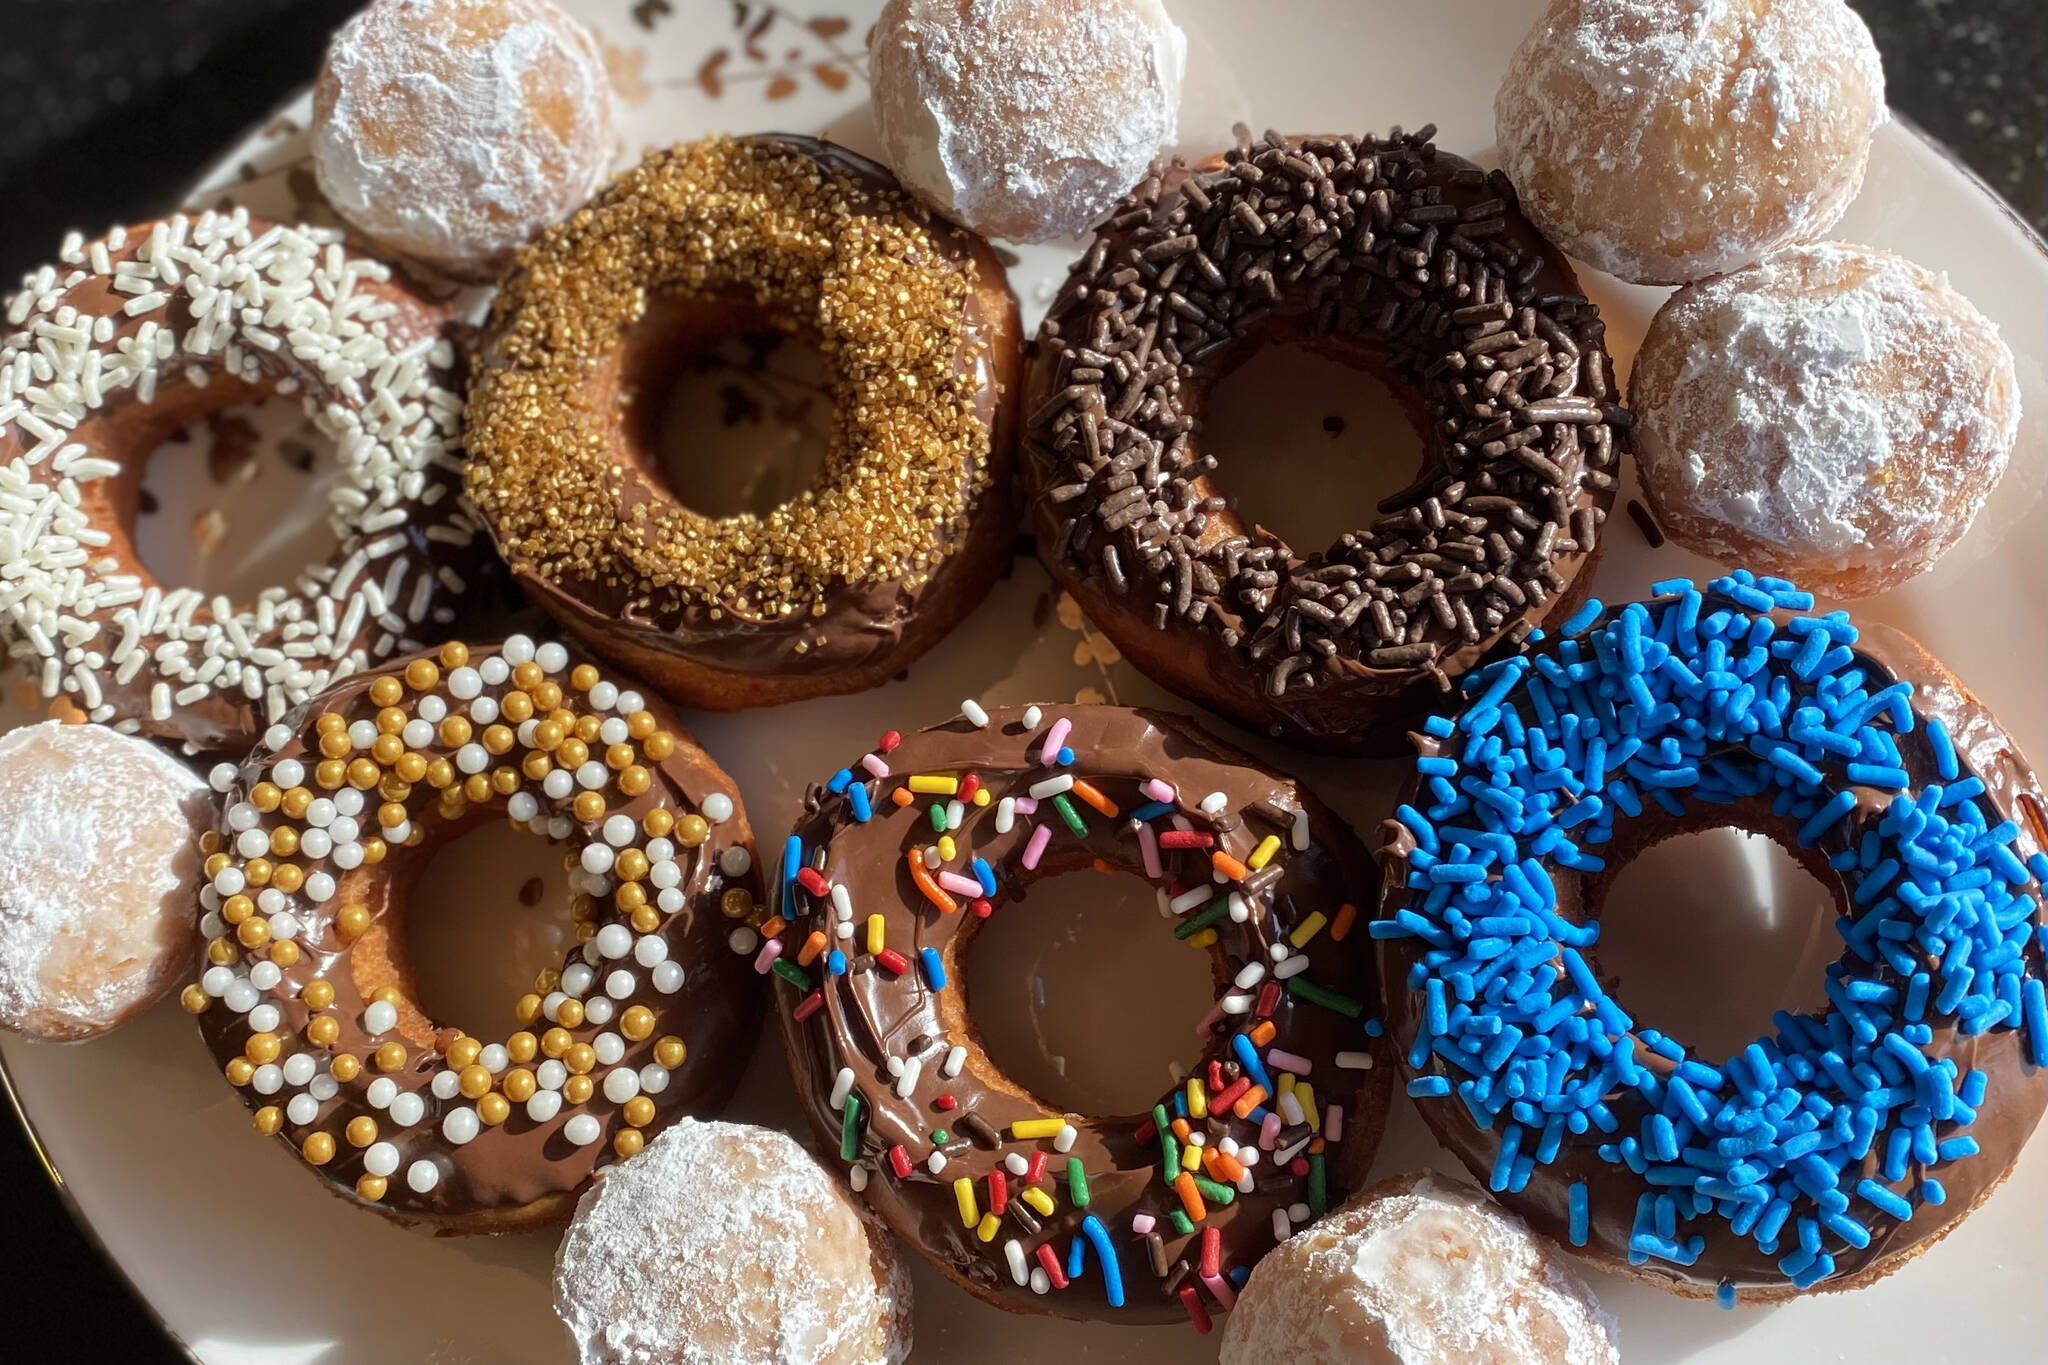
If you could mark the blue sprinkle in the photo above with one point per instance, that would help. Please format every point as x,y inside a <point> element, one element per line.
<point>857,796</point>
<point>1076,1251</point>
<point>1581,1215</point>
<point>1429,1087</point>
<point>1065,757</point>
<point>1884,1200</point>
<point>1105,1253</point>
<point>1724,1294</point>
<point>840,781</point>
<point>1944,749</point>
<point>1248,1057</point>
<point>986,875</point>
<point>835,962</point>
<point>934,970</point>
<point>1151,811</point>
<point>1585,616</point>
<point>792,858</point>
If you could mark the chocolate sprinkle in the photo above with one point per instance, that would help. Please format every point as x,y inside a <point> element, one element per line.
<point>1381,243</point>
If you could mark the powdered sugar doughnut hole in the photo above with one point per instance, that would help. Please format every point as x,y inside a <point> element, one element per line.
<point>451,130</point>
<point>1834,414</point>
<point>724,1242</point>
<point>1416,1270</point>
<point>1668,140</point>
<point>1025,119</point>
<point>99,867</point>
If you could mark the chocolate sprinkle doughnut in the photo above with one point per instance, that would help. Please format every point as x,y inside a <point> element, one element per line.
<point>1383,253</point>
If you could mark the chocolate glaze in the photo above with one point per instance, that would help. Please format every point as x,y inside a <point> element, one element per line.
<point>519,1168</point>
<point>1354,706</point>
<point>126,431</point>
<point>2014,1099</point>
<point>864,621</point>
<point>869,1015</point>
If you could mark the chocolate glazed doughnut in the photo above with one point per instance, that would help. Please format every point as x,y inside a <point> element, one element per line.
<point>909,518</point>
<point>1389,255</point>
<point>1842,1143</point>
<point>305,991</point>
<point>140,332</point>
<point>1130,1218</point>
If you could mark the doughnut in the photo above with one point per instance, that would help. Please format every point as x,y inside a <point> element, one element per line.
<point>1666,142</point>
<point>1833,415</point>
<point>132,336</point>
<point>1025,119</point>
<point>908,520</point>
<point>725,1242</point>
<point>451,131</point>
<point>1034,1209</point>
<point>97,876</point>
<point>305,991</point>
<point>1416,1270</point>
<point>1385,254</point>
<point>1841,1143</point>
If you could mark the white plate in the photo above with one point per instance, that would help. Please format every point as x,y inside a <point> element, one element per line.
<point>249,1263</point>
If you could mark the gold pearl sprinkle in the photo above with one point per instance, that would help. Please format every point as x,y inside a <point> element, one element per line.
<point>319,993</point>
<point>318,1148</point>
<point>371,1187</point>
<point>555,1042</point>
<point>239,1070</point>
<point>637,1022</point>
<point>659,821</point>
<point>670,1052</point>
<point>692,830</point>
<point>385,691</point>
<point>194,1000</point>
<point>578,1089</point>
<point>569,1014</point>
<point>390,1056</point>
<point>522,1046</point>
<point>473,1081</point>
<point>269,1120</point>
<point>323,1030</point>
<point>638,1111</point>
<point>520,1085</point>
<point>454,654</point>
<point>264,796</point>
<point>463,1052</point>
<point>421,674</point>
<point>352,922</point>
<point>493,1109</point>
<point>627,1142</point>
<point>361,1131</point>
<point>346,1067</point>
<point>285,954</point>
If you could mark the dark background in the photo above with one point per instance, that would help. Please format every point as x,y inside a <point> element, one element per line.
<point>109,107</point>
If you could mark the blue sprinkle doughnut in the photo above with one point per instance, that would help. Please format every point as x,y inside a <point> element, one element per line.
<point>1838,1144</point>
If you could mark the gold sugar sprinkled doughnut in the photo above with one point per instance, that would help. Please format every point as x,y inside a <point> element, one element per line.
<point>305,988</point>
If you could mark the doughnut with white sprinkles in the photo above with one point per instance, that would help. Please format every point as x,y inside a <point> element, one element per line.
<point>305,991</point>
<point>1843,1142</point>
<point>129,337</point>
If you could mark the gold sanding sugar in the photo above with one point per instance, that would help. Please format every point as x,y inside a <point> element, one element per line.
<point>851,266</point>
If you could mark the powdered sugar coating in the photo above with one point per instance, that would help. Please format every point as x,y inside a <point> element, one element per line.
<point>1834,414</point>
<point>1025,119</point>
<point>452,130</point>
<point>98,871</point>
<point>1418,1270</point>
<point>1668,140</point>
<point>721,1242</point>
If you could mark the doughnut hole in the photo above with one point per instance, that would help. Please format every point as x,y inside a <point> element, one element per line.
<point>234,499</point>
<point>486,910</point>
<point>723,409</point>
<point>1704,932</point>
<point>1079,994</point>
<point>1309,436</point>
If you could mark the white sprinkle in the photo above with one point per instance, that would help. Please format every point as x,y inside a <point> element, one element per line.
<point>976,717</point>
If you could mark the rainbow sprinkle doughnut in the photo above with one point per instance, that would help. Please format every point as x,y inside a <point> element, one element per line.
<point>897,862</point>
<point>1829,1151</point>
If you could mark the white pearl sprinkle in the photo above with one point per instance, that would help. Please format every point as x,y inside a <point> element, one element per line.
<point>380,1016</point>
<point>299,1068</point>
<point>544,1105</point>
<point>593,775</point>
<point>629,702</point>
<point>408,1109</point>
<point>269,1079</point>
<point>319,886</point>
<point>472,758</point>
<point>665,874</point>
<point>222,777</point>
<point>619,830</point>
<point>597,858</point>
<point>735,861</point>
<point>551,657</point>
<point>517,649</point>
<point>494,1058</point>
<point>522,806</point>
<point>323,1087</point>
<point>460,1125</point>
<point>422,1176</point>
<point>717,808</point>
<point>551,1004</point>
<point>316,843</point>
<point>651,950</point>
<point>603,696</point>
<point>229,881</point>
<point>609,1047</point>
<point>321,812</point>
<point>252,843</point>
<point>583,1130</point>
<point>558,783</point>
<point>433,710</point>
<point>670,900</point>
<point>302,1109</point>
<point>289,772</point>
<point>381,1092</point>
<point>216,980</point>
<point>494,671</point>
<point>621,1084</point>
<point>347,857</point>
<point>576,979</point>
<point>597,1010</point>
<point>240,997</point>
<point>659,850</point>
<point>668,976</point>
<point>614,731</point>
<point>264,976</point>
<point>380,1158</point>
<point>446,1085</point>
<point>270,900</point>
<point>741,940</point>
<point>344,829</point>
<point>362,735</point>
<point>619,984</point>
<point>551,1074</point>
<point>464,683</point>
<point>263,1018</point>
<point>484,710</point>
<point>348,801</point>
<point>615,940</point>
<point>417,734</point>
<point>653,1078</point>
